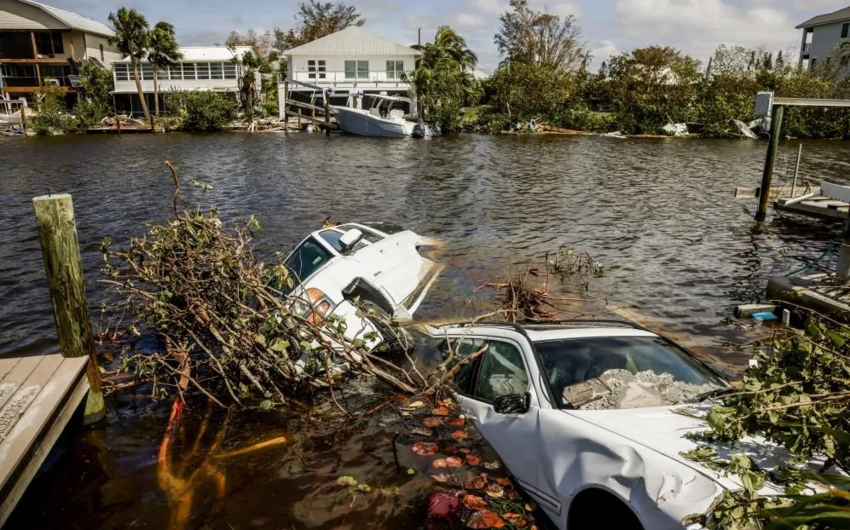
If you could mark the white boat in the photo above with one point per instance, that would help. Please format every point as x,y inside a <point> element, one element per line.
<point>385,119</point>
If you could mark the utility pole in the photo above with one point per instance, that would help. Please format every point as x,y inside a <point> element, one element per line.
<point>419,40</point>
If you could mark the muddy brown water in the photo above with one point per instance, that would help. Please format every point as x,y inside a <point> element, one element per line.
<point>679,252</point>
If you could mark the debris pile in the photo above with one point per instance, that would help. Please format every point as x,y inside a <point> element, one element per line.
<point>621,389</point>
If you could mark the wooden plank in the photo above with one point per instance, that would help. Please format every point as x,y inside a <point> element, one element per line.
<point>6,365</point>
<point>811,102</point>
<point>15,378</point>
<point>316,121</point>
<point>834,191</point>
<point>30,441</point>
<point>16,407</point>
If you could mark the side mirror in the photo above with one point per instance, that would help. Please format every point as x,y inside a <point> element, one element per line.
<point>513,404</point>
<point>349,240</point>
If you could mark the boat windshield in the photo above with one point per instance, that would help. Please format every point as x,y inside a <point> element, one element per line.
<point>309,257</point>
<point>624,372</point>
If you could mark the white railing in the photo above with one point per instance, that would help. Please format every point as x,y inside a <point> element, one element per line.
<point>807,47</point>
<point>331,79</point>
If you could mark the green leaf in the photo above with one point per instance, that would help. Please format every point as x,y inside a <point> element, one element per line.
<point>364,488</point>
<point>266,404</point>
<point>346,480</point>
<point>411,471</point>
<point>259,339</point>
<point>280,346</point>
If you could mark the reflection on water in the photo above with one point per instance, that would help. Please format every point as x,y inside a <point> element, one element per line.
<point>679,251</point>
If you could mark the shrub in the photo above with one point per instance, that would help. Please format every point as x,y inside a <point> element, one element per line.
<point>51,117</point>
<point>202,111</point>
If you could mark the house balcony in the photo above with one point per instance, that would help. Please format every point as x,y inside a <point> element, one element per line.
<point>340,81</point>
<point>807,47</point>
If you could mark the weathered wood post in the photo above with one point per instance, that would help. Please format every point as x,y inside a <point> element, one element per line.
<point>770,161</point>
<point>327,110</point>
<point>23,118</point>
<point>796,171</point>
<point>57,232</point>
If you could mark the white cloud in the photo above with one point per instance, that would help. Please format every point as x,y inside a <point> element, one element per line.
<point>601,52</point>
<point>698,26</point>
<point>469,20</point>
<point>490,7</point>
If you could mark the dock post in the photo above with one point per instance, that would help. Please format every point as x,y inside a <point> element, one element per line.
<point>770,161</point>
<point>796,171</point>
<point>57,232</point>
<point>23,118</point>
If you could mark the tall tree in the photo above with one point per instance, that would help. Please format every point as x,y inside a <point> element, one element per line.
<point>261,44</point>
<point>540,39</point>
<point>315,20</point>
<point>443,80</point>
<point>131,38</point>
<point>163,53</point>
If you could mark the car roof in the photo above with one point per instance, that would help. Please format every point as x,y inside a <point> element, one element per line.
<point>561,333</point>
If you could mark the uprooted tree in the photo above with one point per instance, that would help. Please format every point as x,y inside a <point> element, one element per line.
<point>797,395</point>
<point>225,324</point>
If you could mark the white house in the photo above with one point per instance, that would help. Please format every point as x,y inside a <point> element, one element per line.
<point>41,45</point>
<point>822,34</point>
<point>352,64</point>
<point>204,68</point>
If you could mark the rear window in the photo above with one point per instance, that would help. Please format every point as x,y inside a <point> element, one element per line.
<point>623,372</point>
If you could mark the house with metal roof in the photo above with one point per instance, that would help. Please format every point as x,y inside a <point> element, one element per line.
<point>822,34</point>
<point>41,45</point>
<point>203,68</point>
<point>347,66</point>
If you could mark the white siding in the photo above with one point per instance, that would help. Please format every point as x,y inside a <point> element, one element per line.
<point>15,15</point>
<point>824,40</point>
<point>335,71</point>
<point>110,53</point>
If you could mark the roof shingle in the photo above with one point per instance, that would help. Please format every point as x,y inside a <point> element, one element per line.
<point>353,40</point>
<point>830,18</point>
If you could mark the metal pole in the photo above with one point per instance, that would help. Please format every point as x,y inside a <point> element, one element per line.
<point>57,232</point>
<point>796,171</point>
<point>770,161</point>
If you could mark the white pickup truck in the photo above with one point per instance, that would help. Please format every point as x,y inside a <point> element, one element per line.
<point>377,265</point>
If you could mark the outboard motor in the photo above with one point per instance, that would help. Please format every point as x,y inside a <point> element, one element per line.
<point>421,130</point>
<point>436,131</point>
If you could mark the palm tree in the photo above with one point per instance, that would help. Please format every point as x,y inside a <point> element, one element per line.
<point>131,38</point>
<point>164,52</point>
<point>447,45</point>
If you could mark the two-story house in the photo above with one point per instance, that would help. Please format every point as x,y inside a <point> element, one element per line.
<point>204,68</point>
<point>352,63</point>
<point>41,45</point>
<point>822,34</point>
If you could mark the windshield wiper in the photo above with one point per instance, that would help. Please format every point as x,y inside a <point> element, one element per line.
<point>716,393</point>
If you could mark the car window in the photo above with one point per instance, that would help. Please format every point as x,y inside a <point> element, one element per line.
<point>331,237</point>
<point>501,373</point>
<point>462,348</point>
<point>309,257</point>
<point>643,364</point>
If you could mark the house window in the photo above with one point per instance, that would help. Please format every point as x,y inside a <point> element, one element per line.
<point>216,71</point>
<point>175,73</point>
<point>146,71</point>
<point>189,71</point>
<point>357,69</point>
<point>395,69</point>
<point>122,72</point>
<point>203,70</point>
<point>229,71</point>
<point>813,63</point>
<point>49,43</point>
<point>316,69</point>
<point>845,30</point>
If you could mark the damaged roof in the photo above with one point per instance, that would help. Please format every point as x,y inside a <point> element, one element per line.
<point>841,15</point>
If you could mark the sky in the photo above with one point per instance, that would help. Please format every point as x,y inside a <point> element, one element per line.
<point>608,26</point>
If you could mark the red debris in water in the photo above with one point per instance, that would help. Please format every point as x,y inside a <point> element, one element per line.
<point>485,519</point>
<point>441,505</point>
<point>424,448</point>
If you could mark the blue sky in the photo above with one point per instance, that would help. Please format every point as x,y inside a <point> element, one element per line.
<point>609,26</point>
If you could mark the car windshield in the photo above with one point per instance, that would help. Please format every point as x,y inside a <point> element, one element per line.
<point>309,257</point>
<point>333,235</point>
<point>623,372</point>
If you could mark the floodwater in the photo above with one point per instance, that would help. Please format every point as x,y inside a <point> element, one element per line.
<point>678,250</point>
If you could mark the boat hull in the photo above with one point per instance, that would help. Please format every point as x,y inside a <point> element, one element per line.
<point>354,121</point>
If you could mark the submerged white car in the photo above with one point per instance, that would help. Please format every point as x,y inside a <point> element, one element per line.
<point>377,267</point>
<point>584,417</point>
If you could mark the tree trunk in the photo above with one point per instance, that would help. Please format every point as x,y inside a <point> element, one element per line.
<point>155,93</point>
<point>139,88</point>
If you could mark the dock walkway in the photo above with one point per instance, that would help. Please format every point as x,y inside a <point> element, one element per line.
<point>38,395</point>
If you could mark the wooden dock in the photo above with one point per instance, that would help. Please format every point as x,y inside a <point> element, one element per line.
<point>38,395</point>
<point>820,207</point>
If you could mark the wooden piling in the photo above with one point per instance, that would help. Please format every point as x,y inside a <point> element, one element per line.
<point>57,232</point>
<point>770,161</point>
<point>23,118</point>
<point>327,110</point>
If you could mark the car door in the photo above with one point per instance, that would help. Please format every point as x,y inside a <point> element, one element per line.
<point>501,370</point>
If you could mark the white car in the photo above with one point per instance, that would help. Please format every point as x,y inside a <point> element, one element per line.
<point>582,416</point>
<point>379,266</point>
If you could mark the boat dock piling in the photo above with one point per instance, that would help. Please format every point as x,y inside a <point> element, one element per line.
<point>40,393</point>
<point>286,102</point>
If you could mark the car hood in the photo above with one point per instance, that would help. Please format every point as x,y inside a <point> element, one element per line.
<point>663,429</point>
